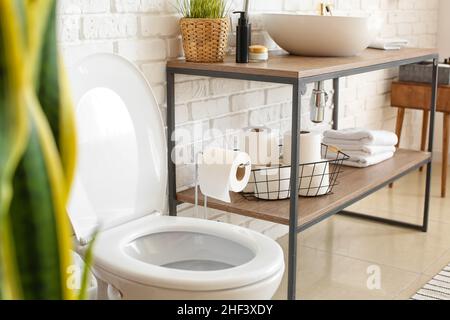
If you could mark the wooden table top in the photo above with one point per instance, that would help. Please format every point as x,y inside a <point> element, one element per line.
<point>289,66</point>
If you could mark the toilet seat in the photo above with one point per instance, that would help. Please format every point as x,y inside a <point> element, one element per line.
<point>122,150</point>
<point>111,257</point>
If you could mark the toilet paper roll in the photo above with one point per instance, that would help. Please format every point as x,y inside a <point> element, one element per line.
<point>315,179</point>
<point>262,145</point>
<point>310,147</point>
<point>273,184</point>
<point>221,171</point>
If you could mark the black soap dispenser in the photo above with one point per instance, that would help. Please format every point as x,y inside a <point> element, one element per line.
<point>243,37</point>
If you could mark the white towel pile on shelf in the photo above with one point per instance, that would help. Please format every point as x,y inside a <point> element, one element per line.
<point>365,147</point>
<point>389,44</point>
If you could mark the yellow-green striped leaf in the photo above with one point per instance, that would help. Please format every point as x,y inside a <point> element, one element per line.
<point>34,229</point>
<point>13,131</point>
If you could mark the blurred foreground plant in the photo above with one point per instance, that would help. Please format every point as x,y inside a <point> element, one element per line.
<point>37,154</point>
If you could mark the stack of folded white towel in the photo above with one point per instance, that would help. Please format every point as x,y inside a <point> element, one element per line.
<point>389,44</point>
<point>365,147</point>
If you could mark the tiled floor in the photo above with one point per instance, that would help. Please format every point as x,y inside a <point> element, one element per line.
<point>336,255</point>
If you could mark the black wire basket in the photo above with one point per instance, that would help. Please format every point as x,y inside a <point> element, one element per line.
<point>316,179</point>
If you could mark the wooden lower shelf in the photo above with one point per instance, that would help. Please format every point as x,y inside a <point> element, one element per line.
<point>354,184</point>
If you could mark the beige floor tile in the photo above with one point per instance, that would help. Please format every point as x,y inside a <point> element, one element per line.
<point>326,276</point>
<point>411,290</point>
<point>335,254</point>
<point>438,265</point>
<point>406,199</point>
<point>397,247</point>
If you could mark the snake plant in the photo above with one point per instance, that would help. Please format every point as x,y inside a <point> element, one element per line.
<point>37,154</point>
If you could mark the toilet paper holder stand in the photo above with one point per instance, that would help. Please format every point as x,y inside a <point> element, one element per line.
<point>197,184</point>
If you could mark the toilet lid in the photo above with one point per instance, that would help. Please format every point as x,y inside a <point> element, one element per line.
<point>121,172</point>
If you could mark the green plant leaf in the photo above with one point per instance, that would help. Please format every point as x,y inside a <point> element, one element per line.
<point>52,89</point>
<point>34,226</point>
<point>39,227</point>
<point>35,233</point>
<point>88,262</point>
<point>13,132</point>
<point>203,9</point>
<point>50,80</point>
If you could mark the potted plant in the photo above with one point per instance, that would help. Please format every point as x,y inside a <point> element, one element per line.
<point>204,27</point>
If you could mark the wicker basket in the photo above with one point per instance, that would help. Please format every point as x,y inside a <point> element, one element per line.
<point>205,40</point>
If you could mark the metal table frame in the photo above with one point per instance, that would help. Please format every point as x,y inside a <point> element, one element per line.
<point>299,89</point>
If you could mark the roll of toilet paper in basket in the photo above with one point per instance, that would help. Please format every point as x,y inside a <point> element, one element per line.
<point>310,147</point>
<point>250,188</point>
<point>221,171</point>
<point>262,144</point>
<point>315,179</point>
<point>272,183</point>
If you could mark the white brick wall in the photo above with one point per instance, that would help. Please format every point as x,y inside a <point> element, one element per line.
<point>146,32</point>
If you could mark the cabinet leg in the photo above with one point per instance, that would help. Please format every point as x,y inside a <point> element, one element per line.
<point>423,143</point>
<point>445,154</point>
<point>399,128</point>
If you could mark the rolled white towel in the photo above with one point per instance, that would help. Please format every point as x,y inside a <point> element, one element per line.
<point>360,137</point>
<point>364,162</point>
<point>389,44</point>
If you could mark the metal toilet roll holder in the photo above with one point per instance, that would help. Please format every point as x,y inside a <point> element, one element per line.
<point>197,184</point>
<point>205,214</point>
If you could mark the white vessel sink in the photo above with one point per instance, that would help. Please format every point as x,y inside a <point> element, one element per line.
<point>320,36</point>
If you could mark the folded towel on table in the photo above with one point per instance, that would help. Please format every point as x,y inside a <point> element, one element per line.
<point>356,155</point>
<point>363,151</point>
<point>389,44</point>
<point>364,162</point>
<point>360,137</point>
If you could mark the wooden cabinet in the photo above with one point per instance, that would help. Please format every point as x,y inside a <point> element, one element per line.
<point>409,95</point>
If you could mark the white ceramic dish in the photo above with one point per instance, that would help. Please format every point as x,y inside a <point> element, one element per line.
<point>321,36</point>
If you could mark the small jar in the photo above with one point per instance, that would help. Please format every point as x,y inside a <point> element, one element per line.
<point>258,53</point>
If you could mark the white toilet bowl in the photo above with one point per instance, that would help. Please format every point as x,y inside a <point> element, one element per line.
<point>183,258</point>
<point>120,187</point>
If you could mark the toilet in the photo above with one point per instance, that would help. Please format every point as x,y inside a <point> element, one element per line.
<point>119,191</point>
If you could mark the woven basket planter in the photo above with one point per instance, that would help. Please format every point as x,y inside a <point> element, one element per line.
<point>205,40</point>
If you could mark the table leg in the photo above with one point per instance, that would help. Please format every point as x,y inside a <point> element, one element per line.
<point>399,128</point>
<point>399,124</point>
<point>294,187</point>
<point>171,143</point>
<point>445,151</point>
<point>434,96</point>
<point>336,83</point>
<point>424,136</point>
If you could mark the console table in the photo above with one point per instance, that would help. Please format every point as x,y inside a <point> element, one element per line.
<point>356,184</point>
